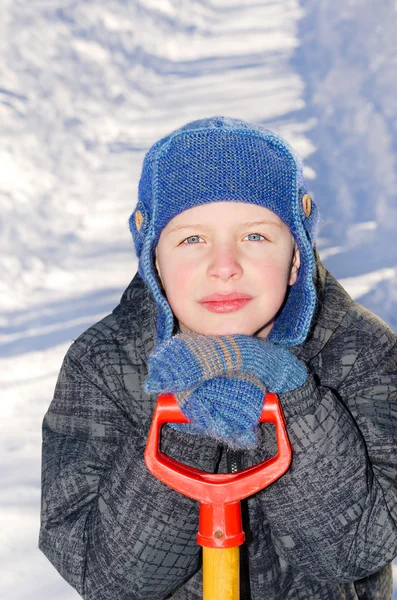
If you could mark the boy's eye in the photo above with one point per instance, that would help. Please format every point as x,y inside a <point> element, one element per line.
<point>257,235</point>
<point>191,238</point>
<point>198,237</point>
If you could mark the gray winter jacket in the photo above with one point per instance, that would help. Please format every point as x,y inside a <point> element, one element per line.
<point>326,530</point>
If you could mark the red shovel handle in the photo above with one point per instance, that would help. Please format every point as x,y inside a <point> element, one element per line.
<point>217,492</point>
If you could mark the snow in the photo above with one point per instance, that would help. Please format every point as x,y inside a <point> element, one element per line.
<point>86,88</point>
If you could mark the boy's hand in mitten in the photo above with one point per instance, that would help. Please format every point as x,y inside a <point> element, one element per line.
<point>220,381</point>
<point>226,408</point>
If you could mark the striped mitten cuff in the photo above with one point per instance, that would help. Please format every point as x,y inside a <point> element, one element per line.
<point>186,360</point>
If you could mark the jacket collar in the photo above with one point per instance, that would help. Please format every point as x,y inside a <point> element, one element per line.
<point>333,302</point>
<point>136,316</point>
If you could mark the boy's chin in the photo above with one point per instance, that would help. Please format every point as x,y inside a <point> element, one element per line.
<point>227,329</point>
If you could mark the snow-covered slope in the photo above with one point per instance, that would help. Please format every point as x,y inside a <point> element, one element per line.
<point>85,88</point>
<point>348,60</point>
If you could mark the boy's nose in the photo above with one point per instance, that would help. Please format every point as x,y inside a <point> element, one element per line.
<point>224,264</point>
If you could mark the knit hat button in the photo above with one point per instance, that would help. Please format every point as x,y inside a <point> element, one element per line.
<point>307,204</point>
<point>138,220</point>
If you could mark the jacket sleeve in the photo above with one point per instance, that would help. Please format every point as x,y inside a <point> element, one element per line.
<point>109,527</point>
<point>334,513</point>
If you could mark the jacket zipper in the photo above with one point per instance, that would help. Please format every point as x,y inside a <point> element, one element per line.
<point>234,464</point>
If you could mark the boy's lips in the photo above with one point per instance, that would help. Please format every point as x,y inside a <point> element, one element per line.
<point>225,303</point>
<point>225,297</point>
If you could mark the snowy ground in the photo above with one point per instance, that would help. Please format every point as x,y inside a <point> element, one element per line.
<point>86,88</point>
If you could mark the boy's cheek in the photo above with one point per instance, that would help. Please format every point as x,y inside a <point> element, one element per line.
<point>274,273</point>
<point>178,283</point>
<point>270,275</point>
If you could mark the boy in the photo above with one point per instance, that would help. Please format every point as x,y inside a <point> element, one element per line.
<point>223,210</point>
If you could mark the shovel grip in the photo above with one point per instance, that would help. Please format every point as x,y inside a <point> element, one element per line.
<point>219,494</point>
<point>219,487</point>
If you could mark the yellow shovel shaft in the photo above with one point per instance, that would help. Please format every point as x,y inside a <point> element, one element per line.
<point>221,573</point>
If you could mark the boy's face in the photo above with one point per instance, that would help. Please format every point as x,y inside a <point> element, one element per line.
<point>219,253</point>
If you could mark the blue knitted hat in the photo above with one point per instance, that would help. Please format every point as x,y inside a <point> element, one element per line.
<point>224,159</point>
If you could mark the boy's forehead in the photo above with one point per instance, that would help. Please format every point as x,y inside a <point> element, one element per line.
<point>218,214</point>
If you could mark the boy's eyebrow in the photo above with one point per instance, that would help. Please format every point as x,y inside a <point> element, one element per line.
<point>247,224</point>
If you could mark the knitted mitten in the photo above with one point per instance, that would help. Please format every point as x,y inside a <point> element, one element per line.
<point>188,359</point>
<point>226,408</point>
<point>220,381</point>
